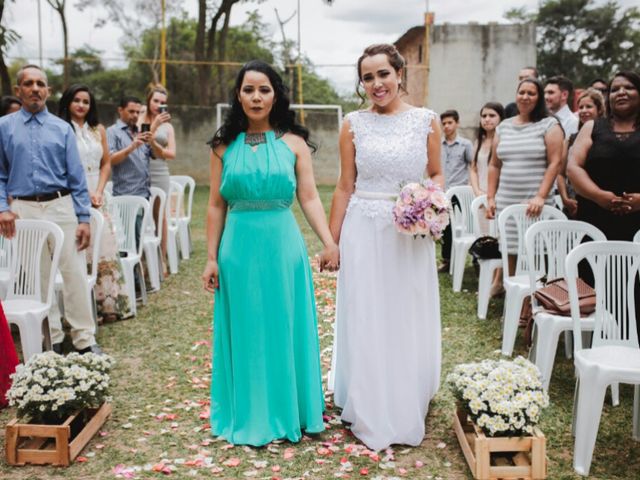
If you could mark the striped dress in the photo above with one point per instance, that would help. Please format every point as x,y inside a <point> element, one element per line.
<point>523,154</point>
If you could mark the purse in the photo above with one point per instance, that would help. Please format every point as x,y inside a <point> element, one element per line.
<point>554,297</point>
<point>485,248</point>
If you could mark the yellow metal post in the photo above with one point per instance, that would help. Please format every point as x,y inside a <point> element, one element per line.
<point>428,21</point>
<point>300,99</point>
<point>163,48</point>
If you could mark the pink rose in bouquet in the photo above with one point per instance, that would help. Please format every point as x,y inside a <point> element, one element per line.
<point>421,209</point>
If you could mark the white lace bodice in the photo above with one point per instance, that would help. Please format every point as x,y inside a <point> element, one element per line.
<point>90,149</point>
<point>391,150</point>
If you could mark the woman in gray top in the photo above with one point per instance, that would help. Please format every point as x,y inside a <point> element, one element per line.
<point>163,149</point>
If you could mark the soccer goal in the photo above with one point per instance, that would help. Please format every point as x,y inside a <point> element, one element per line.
<point>323,122</point>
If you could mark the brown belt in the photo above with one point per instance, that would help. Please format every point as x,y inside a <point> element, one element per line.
<point>44,197</point>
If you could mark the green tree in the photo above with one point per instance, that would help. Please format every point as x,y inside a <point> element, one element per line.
<point>582,40</point>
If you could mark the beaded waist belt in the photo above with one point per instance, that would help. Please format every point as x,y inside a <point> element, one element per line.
<point>375,195</point>
<point>249,205</point>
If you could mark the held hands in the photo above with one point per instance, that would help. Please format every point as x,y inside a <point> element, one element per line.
<point>210,280</point>
<point>83,236</point>
<point>632,202</point>
<point>534,206</point>
<point>571,205</point>
<point>619,205</point>
<point>8,224</point>
<point>330,258</point>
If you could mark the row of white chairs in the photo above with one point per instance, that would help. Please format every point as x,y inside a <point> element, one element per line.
<point>20,257</point>
<point>550,246</point>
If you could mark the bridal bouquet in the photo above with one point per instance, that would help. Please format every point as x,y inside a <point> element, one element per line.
<point>50,387</point>
<point>503,397</point>
<point>421,209</point>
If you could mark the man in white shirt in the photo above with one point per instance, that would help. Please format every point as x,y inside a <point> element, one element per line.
<point>557,91</point>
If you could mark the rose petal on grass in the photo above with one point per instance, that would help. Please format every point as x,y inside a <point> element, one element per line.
<point>289,453</point>
<point>232,462</point>
<point>82,459</point>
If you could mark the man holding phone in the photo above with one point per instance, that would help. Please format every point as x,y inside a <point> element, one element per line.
<point>130,151</point>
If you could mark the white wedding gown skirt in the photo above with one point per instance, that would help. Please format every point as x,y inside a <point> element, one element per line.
<point>387,352</point>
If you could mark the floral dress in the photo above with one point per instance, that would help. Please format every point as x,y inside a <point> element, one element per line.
<point>111,296</point>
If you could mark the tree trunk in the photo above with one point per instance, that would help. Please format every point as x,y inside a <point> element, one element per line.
<point>222,56</point>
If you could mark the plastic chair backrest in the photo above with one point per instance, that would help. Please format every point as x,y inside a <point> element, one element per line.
<point>28,246</point>
<point>189,183</point>
<point>97,227</point>
<point>108,188</point>
<point>174,203</point>
<point>636,237</point>
<point>478,207</point>
<point>518,214</point>
<point>124,211</point>
<point>461,214</point>
<point>548,242</point>
<point>157,195</point>
<point>615,270</point>
<point>5,253</point>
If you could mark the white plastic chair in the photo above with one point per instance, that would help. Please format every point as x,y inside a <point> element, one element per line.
<point>97,227</point>
<point>461,232</point>
<point>614,356</point>
<point>108,188</point>
<point>636,237</point>
<point>124,211</point>
<point>548,243</point>
<point>487,266</point>
<point>184,220</point>
<point>153,239</point>
<point>517,286</point>
<point>25,306</point>
<point>174,205</point>
<point>5,254</point>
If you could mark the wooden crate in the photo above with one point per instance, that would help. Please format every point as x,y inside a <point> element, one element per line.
<point>52,444</point>
<point>492,458</point>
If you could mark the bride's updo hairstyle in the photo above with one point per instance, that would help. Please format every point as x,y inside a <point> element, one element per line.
<point>281,117</point>
<point>393,55</point>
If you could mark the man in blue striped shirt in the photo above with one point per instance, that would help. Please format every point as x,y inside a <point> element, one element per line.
<point>41,177</point>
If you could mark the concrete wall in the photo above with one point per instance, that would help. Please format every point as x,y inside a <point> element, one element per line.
<point>469,66</point>
<point>194,127</point>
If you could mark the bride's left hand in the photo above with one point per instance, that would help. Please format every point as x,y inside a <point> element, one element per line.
<point>330,258</point>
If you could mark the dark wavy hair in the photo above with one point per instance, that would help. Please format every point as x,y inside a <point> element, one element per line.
<point>482,133</point>
<point>67,98</point>
<point>6,102</point>
<point>281,117</point>
<point>634,78</point>
<point>540,111</point>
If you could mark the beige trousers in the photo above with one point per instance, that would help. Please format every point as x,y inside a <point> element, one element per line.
<point>73,268</point>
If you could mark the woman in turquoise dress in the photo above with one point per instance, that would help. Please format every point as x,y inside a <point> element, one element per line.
<point>266,382</point>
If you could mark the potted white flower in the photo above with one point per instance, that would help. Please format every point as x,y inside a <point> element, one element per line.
<point>60,397</point>
<point>500,398</point>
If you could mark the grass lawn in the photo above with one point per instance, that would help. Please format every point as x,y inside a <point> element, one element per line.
<point>161,392</point>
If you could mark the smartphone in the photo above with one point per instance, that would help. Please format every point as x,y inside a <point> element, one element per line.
<point>163,108</point>
<point>145,127</point>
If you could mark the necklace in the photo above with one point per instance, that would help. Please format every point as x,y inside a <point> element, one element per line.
<point>255,139</point>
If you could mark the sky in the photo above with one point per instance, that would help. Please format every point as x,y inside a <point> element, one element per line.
<point>330,35</point>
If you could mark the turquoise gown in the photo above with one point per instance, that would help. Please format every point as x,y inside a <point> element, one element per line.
<point>266,381</point>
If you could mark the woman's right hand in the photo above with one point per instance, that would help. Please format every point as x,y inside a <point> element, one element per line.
<point>159,120</point>
<point>210,276</point>
<point>491,208</point>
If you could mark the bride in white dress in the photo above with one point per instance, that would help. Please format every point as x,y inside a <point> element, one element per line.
<point>386,356</point>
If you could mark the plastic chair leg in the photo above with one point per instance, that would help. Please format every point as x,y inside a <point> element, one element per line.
<point>172,253</point>
<point>546,344</point>
<point>152,258</point>
<point>458,267</point>
<point>568,344</point>
<point>130,284</point>
<point>589,411</point>
<point>143,285</point>
<point>484,289</point>
<point>30,338</point>
<point>615,394</point>
<point>636,413</point>
<point>183,234</point>
<point>513,305</point>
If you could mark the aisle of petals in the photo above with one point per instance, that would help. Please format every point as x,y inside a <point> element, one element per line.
<point>332,454</point>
